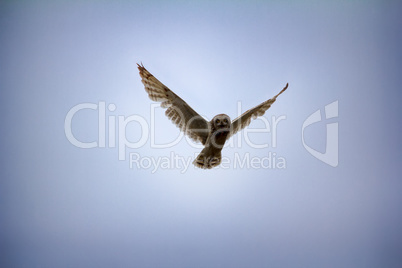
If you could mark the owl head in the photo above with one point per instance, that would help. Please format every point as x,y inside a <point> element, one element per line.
<point>221,121</point>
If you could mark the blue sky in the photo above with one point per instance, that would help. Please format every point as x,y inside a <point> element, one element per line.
<point>64,206</point>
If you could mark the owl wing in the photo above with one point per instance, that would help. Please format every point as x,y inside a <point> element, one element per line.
<point>244,120</point>
<point>178,111</point>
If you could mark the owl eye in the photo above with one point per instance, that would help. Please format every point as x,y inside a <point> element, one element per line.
<point>217,121</point>
<point>225,121</point>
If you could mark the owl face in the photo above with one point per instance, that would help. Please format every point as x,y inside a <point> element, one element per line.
<point>221,121</point>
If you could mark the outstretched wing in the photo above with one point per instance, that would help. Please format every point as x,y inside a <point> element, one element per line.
<point>178,111</point>
<point>244,120</point>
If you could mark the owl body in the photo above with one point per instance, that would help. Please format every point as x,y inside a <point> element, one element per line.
<point>213,134</point>
<point>211,155</point>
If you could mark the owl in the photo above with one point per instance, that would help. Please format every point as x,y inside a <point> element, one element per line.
<point>212,134</point>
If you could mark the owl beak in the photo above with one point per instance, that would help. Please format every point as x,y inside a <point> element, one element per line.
<point>223,126</point>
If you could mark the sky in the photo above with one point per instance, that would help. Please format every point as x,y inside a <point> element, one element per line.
<point>94,175</point>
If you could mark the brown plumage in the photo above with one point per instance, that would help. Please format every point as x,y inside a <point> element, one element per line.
<point>212,134</point>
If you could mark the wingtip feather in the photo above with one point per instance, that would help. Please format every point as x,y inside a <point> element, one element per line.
<point>287,84</point>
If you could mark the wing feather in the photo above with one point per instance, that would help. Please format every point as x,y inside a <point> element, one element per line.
<point>178,111</point>
<point>244,120</point>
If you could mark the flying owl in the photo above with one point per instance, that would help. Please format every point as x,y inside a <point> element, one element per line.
<point>213,134</point>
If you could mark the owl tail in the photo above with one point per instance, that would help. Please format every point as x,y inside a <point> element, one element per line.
<point>208,158</point>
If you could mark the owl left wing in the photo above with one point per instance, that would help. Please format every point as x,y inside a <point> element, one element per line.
<point>178,111</point>
<point>244,120</point>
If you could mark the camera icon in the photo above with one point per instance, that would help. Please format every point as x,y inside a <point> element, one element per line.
<point>330,156</point>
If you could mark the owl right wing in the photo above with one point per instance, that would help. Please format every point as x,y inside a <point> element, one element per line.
<point>178,111</point>
<point>244,120</point>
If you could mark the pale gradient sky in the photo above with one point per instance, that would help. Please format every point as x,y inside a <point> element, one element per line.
<point>62,206</point>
